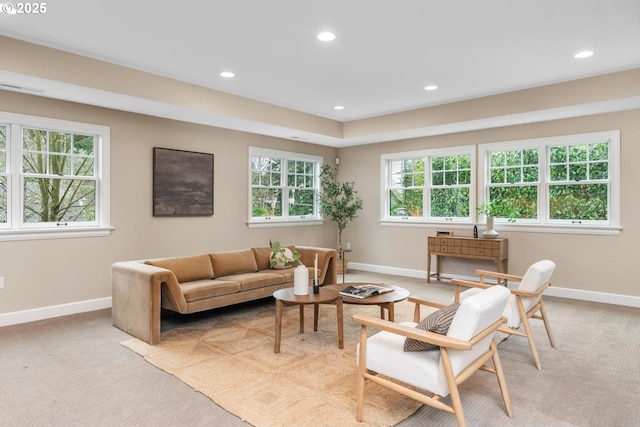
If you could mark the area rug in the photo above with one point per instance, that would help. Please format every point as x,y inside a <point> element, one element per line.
<point>230,358</point>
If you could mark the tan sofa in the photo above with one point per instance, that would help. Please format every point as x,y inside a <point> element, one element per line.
<point>141,289</point>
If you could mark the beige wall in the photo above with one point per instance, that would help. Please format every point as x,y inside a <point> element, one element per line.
<point>60,271</point>
<point>585,262</point>
<point>52,272</point>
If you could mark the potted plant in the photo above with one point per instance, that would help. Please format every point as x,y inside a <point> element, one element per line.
<point>492,210</point>
<point>339,201</point>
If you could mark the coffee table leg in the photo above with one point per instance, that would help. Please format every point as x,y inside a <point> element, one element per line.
<point>340,326</point>
<point>278,325</point>
<point>390,309</point>
<point>316,307</point>
<point>301,318</point>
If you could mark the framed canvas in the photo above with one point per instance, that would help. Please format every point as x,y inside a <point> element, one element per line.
<point>182,183</point>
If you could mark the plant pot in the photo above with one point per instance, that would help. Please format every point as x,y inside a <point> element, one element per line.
<point>490,233</point>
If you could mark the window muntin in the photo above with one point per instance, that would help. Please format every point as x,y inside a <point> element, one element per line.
<point>54,178</point>
<point>406,187</point>
<point>429,185</point>
<point>450,186</point>
<point>573,181</point>
<point>514,177</point>
<point>284,185</point>
<point>3,176</point>
<point>579,184</point>
<point>59,177</point>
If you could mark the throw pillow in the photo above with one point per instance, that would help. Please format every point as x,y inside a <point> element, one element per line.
<point>438,322</point>
<point>282,260</point>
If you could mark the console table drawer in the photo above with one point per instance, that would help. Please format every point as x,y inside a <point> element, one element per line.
<point>467,247</point>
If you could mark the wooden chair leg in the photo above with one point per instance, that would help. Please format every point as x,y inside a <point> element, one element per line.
<point>547,326</point>
<point>453,388</point>
<point>527,328</point>
<point>362,358</point>
<point>501,381</point>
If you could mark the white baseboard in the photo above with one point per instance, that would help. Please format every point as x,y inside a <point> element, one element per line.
<point>34,314</point>
<point>42,313</point>
<point>553,291</point>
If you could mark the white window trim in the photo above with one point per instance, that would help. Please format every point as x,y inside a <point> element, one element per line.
<point>424,221</point>
<point>13,230</point>
<point>479,168</point>
<point>542,144</point>
<point>268,222</point>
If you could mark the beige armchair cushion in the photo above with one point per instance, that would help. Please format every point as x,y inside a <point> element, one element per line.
<point>186,269</point>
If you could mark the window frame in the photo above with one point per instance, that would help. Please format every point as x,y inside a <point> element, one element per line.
<point>543,145</point>
<point>427,156</point>
<point>15,228</point>
<point>285,219</point>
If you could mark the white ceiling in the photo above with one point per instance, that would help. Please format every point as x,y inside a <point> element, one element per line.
<point>384,54</point>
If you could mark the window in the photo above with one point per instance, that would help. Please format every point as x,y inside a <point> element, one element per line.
<point>562,181</point>
<point>283,187</point>
<point>54,179</point>
<point>433,185</point>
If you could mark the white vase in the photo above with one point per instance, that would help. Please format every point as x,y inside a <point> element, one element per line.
<point>301,280</point>
<point>490,233</point>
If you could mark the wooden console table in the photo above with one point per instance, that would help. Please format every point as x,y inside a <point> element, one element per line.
<point>496,250</point>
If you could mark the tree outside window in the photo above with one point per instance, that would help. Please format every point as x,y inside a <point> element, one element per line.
<point>59,177</point>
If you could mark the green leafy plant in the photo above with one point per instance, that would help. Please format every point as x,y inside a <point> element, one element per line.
<point>279,255</point>
<point>494,210</point>
<point>339,201</point>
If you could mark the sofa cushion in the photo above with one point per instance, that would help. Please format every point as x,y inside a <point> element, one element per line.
<point>256,280</point>
<point>282,260</point>
<point>203,289</point>
<point>438,322</point>
<point>233,262</point>
<point>287,274</point>
<point>186,269</point>
<point>263,256</point>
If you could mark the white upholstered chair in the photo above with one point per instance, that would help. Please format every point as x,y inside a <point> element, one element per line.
<point>467,347</point>
<point>525,302</point>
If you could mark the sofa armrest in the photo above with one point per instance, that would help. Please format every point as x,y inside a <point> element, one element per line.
<point>137,298</point>
<point>326,262</point>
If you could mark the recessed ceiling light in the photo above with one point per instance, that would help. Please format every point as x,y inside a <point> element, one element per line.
<point>339,107</point>
<point>227,74</point>
<point>431,87</point>
<point>583,54</point>
<point>326,36</point>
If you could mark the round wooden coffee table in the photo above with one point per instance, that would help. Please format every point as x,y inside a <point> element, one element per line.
<point>288,297</point>
<point>385,301</point>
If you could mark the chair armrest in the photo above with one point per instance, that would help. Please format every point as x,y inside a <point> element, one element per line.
<point>488,330</point>
<point>535,293</point>
<point>409,332</point>
<point>496,275</point>
<point>470,284</point>
<point>422,301</point>
<point>418,301</point>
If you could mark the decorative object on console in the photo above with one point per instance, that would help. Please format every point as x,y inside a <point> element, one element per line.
<point>497,209</point>
<point>489,233</point>
<point>182,183</point>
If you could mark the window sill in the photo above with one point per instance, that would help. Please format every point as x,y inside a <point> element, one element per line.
<point>9,235</point>
<point>283,223</point>
<point>502,227</point>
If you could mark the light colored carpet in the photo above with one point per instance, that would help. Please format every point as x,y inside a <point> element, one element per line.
<point>231,360</point>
